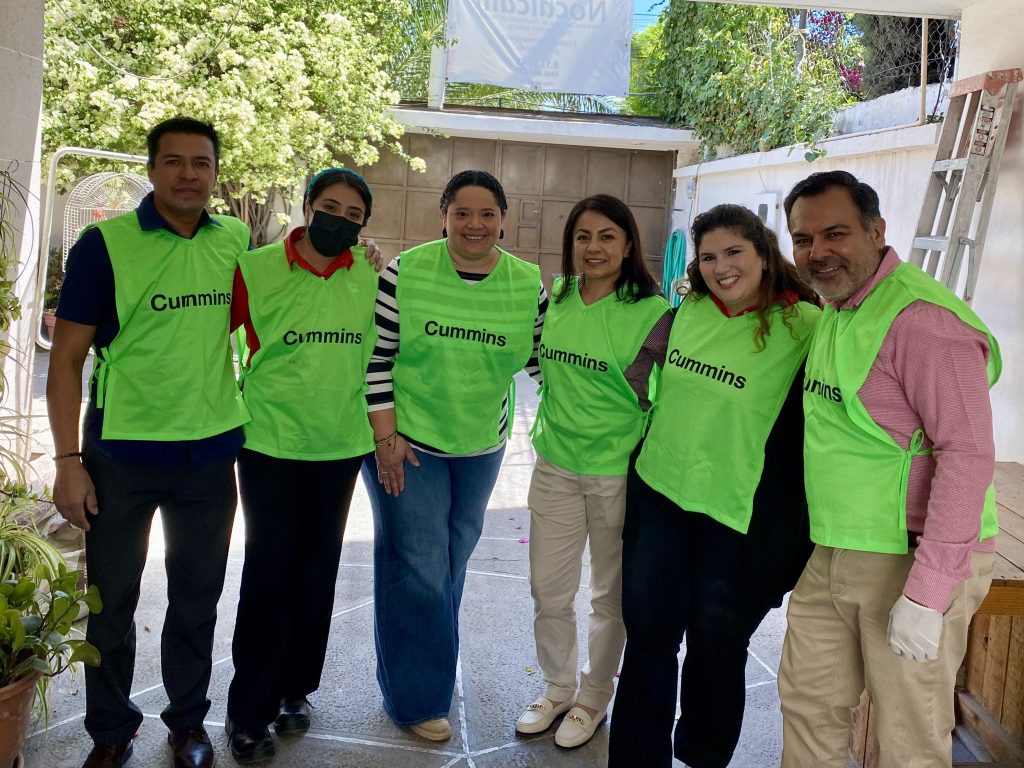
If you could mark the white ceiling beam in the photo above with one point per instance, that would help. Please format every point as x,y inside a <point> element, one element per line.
<point>933,9</point>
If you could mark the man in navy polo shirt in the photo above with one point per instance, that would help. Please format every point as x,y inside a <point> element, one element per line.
<point>150,293</point>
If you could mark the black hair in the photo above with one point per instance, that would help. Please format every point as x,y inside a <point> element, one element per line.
<point>863,196</point>
<point>181,124</point>
<point>779,276</point>
<point>349,178</point>
<point>635,281</point>
<point>473,179</point>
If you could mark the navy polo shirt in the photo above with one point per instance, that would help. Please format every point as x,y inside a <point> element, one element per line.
<point>87,297</point>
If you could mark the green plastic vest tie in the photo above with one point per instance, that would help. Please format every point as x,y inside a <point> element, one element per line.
<point>589,419</point>
<point>718,402</point>
<point>856,475</point>
<point>168,374</point>
<point>305,385</point>
<point>459,347</point>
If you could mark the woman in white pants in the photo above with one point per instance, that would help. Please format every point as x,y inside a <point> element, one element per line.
<point>604,337</point>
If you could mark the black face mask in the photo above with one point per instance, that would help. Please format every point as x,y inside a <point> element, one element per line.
<point>332,235</point>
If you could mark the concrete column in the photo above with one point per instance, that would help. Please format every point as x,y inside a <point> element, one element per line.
<point>21,93</point>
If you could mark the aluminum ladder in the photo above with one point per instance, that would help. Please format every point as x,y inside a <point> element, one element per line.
<point>967,159</point>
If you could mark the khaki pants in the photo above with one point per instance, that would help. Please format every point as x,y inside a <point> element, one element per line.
<point>566,509</point>
<point>837,644</point>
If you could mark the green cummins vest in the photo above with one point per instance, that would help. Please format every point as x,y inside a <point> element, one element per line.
<point>459,346</point>
<point>855,473</point>
<point>305,384</point>
<point>167,374</point>
<point>589,419</point>
<point>718,402</point>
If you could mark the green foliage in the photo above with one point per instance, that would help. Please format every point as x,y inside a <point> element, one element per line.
<point>36,614</point>
<point>54,278</point>
<point>892,51</point>
<point>730,72</point>
<point>39,597</point>
<point>22,548</point>
<point>12,198</point>
<point>289,84</point>
<point>647,56</point>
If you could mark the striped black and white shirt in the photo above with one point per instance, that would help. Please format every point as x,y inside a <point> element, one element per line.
<point>380,386</point>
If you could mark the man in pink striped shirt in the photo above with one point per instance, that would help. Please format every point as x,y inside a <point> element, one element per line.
<point>899,461</point>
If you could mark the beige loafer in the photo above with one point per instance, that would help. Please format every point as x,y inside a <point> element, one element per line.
<point>577,727</point>
<point>539,716</point>
<point>438,729</point>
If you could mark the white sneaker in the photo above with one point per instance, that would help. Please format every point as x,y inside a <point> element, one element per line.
<point>438,729</point>
<point>539,716</point>
<point>577,727</point>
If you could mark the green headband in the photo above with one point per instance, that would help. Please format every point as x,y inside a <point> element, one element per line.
<point>331,172</point>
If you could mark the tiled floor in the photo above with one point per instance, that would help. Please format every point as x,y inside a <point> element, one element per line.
<point>498,674</point>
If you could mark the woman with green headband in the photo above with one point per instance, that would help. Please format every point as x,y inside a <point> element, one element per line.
<point>307,307</point>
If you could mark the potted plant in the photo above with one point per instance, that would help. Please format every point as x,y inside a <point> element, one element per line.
<point>39,596</point>
<point>51,294</point>
<point>39,600</point>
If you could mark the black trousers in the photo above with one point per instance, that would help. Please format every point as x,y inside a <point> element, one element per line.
<point>686,573</point>
<point>197,509</point>
<point>295,513</point>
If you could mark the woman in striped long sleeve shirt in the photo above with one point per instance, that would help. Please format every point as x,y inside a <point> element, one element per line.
<point>439,399</point>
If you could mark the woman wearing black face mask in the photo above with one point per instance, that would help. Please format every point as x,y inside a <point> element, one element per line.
<point>307,306</point>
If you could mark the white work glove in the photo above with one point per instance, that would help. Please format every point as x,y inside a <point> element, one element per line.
<point>914,630</point>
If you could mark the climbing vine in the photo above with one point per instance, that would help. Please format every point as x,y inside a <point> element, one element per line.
<point>12,198</point>
<point>748,78</point>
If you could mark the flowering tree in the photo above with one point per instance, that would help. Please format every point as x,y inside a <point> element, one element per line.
<point>830,36</point>
<point>290,85</point>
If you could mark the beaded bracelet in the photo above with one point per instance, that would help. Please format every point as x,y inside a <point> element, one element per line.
<point>385,440</point>
<point>67,455</point>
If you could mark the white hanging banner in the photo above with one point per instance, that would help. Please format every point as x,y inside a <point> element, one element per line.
<point>563,46</point>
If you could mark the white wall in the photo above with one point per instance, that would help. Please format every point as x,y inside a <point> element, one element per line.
<point>21,89</point>
<point>892,109</point>
<point>991,32</point>
<point>896,163</point>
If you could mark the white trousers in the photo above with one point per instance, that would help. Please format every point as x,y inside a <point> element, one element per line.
<point>565,510</point>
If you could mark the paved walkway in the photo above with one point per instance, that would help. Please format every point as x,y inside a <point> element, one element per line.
<point>498,672</point>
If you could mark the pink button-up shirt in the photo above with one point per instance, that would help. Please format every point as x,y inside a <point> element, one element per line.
<point>930,374</point>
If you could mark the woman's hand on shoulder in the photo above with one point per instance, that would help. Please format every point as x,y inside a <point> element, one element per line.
<point>374,255</point>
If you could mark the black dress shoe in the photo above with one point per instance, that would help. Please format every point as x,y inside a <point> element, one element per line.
<point>192,747</point>
<point>293,717</point>
<point>109,755</point>
<point>249,745</point>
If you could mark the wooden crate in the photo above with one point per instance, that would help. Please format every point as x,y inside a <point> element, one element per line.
<point>990,691</point>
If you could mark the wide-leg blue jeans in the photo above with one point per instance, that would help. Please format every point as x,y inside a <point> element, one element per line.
<point>423,540</point>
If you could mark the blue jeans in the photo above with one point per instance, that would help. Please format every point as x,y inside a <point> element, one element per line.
<point>422,543</point>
